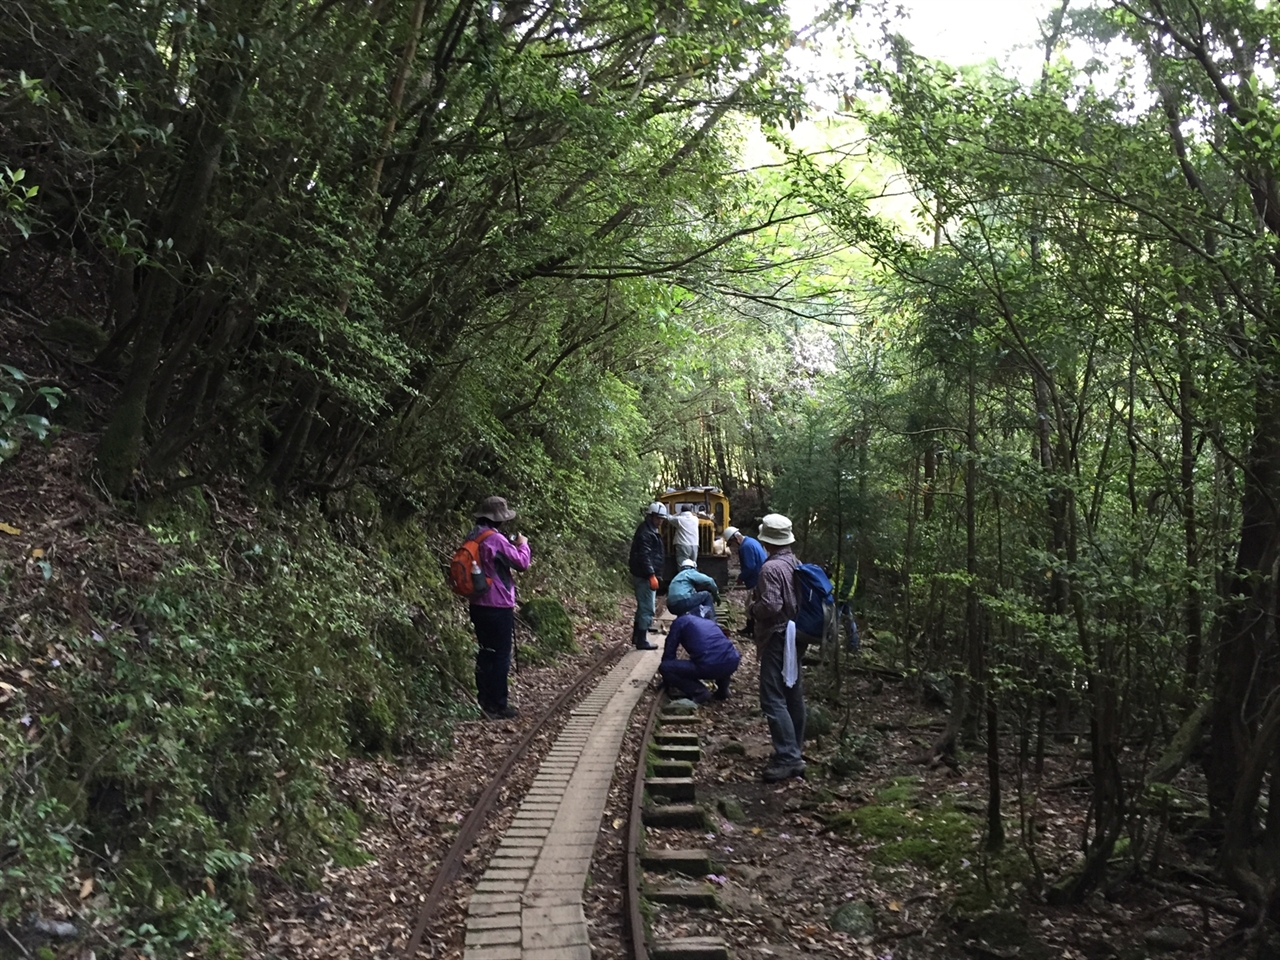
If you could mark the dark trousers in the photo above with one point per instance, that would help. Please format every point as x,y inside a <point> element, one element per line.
<point>700,598</point>
<point>685,678</point>
<point>495,628</point>
<point>782,706</point>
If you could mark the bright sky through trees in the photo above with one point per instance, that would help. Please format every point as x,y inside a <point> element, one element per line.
<point>962,32</point>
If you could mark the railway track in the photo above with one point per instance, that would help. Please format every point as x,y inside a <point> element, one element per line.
<point>666,861</point>
<point>633,875</point>
<point>528,904</point>
<point>484,807</point>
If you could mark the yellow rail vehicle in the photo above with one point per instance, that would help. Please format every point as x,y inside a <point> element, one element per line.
<point>712,508</point>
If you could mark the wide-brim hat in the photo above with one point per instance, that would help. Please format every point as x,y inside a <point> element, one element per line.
<point>495,509</point>
<point>776,529</point>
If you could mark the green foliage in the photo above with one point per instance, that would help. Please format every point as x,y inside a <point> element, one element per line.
<point>18,398</point>
<point>421,257</point>
<point>551,626</point>
<point>856,752</point>
<point>38,829</point>
<point>818,721</point>
<point>937,839</point>
<point>15,197</point>
<point>180,743</point>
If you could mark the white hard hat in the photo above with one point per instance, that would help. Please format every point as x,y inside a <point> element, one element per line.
<point>686,562</point>
<point>657,507</point>
<point>730,533</point>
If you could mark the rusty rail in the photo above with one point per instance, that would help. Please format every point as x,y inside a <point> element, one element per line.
<point>632,873</point>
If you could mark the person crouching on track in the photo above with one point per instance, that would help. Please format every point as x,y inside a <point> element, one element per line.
<point>493,612</point>
<point>645,563</point>
<point>712,657</point>
<point>690,589</point>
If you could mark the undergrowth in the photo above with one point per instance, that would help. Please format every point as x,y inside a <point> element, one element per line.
<point>905,828</point>
<point>552,629</point>
<point>167,745</point>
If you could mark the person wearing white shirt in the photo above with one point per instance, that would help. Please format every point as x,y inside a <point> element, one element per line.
<point>685,536</point>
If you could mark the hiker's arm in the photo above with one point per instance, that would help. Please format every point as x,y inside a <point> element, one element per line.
<point>673,639</point>
<point>517,557</point>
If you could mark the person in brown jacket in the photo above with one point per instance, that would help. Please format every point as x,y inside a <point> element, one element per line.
<point>773,605</point>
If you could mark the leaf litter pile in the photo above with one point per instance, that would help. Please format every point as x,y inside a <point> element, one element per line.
<point>874,855</point>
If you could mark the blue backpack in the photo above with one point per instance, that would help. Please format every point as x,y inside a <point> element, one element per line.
<point>815,597</point>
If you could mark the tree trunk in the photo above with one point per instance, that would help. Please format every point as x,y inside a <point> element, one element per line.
<point>1191,546</point>
<point>120,449</point>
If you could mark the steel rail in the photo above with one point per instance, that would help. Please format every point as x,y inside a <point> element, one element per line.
<point>447,872</point>
<point>633,875</point>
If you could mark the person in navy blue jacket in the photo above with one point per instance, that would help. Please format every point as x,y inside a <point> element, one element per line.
<point>712,656</point>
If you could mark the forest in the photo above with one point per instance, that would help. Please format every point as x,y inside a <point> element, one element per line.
<point>287,285</point>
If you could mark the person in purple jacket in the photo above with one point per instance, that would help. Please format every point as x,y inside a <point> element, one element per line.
<point>493,610</point>
<point>712,656</point>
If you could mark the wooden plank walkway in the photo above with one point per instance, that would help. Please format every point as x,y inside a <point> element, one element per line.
<point>528,904</point>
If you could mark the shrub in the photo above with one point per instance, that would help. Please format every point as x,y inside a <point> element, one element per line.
<point>187,735</point>
<point>551,626</point>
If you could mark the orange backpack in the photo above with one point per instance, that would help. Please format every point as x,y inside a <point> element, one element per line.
<point>464,577</point>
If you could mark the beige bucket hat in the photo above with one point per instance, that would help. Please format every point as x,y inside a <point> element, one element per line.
<point>776,529</point>
<point>495,509</point>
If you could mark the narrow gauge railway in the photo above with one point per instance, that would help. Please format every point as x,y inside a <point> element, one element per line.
<point>528,903</point>
<point>485,805</point>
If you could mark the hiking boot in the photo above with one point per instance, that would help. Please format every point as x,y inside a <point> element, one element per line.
<point>501,713</point>
<point>722,690</point>
<point>640,640</point>
<point>776,772</point>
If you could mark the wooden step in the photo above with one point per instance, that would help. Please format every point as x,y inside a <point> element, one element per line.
<point>675,751</point>
<point>697,895</point>
<point>671,738</point>
<point>681,816</point>
<point>694,863</point>
<point>689,948</point>
<point>673,788</point>
<point>672,768</point>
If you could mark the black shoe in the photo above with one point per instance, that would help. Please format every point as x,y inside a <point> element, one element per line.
<point>747,633</point>
<point>501,713</point>
<point>722,691</point>
<point>776,772</point>
<point>645,644</point>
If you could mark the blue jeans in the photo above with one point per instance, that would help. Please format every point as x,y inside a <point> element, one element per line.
<point>495,627</point>
<point>782,706</point>
<point>701,598</point>
<point>646,603</point>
